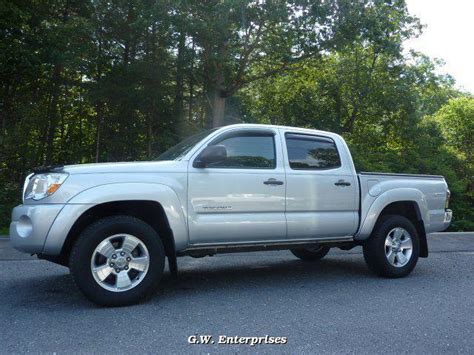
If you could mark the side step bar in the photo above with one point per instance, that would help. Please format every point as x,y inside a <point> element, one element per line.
<point>199,250</point>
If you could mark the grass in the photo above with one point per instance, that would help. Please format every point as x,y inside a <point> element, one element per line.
<point>3,231</point>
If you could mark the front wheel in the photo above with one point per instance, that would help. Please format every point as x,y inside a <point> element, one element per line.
<point>393,248</point>
<point>117,261</point>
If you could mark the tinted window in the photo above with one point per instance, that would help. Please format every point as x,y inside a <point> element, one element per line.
<point>310,152</point>
<point>248,151</point>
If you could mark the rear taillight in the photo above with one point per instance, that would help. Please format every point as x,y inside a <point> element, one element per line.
<point>448,196</point>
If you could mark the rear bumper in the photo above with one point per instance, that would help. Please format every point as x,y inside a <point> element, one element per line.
<point>30,226</point>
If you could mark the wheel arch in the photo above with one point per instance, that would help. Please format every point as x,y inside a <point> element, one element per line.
<point>409,203</point>
<point>155,204</point>
<point>150,212</point>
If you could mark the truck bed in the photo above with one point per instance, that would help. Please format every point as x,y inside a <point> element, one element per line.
<point>432,189</point>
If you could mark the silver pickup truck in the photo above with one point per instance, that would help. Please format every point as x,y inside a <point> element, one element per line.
<point>238,188</point>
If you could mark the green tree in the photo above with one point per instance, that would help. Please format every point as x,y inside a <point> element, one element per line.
<point>456,120</point>
<point>240,42</point>
<point>89,81</point>
<point>456,123</point>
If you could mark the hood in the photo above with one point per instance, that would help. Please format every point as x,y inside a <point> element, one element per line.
<point>127,167</point>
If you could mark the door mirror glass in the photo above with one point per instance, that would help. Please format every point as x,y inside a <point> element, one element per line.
<point>210,155</point>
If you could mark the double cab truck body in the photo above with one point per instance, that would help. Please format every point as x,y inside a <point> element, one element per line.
<point>238,188</point>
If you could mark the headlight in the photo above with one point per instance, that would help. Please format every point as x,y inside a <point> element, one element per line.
<point>44,185</point>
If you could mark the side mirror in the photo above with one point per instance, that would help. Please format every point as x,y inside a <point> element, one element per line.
<point>211,154</point>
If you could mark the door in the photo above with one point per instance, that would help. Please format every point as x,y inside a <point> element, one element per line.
<point>322,198</point>
<point>242,198</point>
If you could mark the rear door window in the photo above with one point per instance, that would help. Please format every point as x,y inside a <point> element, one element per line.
<point>307,152</point>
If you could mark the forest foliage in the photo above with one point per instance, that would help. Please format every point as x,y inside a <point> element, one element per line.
<point>95,81</point>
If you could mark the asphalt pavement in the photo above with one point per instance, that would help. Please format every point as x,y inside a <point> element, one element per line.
<point>334,306</point>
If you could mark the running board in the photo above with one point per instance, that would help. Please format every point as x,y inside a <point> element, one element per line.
<point>211,249</point>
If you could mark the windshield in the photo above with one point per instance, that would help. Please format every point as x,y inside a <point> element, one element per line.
<point>179,150</point>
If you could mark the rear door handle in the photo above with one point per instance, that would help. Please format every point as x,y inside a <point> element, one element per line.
<point>273,181</point>
<point>342,183</point>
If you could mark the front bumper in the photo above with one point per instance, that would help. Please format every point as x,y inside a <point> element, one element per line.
<point>30,226</point>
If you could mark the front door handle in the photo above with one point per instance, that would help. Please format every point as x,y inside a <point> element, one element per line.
<point>342,183</point>
<point>273,181</point>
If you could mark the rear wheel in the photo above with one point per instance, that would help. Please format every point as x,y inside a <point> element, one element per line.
<point>311,254</point>
<point>117,261</point>
<point>393,248</point>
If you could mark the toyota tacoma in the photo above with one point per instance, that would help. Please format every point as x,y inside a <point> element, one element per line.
<point>237,188</point>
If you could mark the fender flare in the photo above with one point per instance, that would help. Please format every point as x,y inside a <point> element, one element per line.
<point>115,192</point>
<point>385,199</point>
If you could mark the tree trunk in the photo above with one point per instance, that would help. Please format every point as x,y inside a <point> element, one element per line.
<point>5,111</point>
<point>53,108</point>
<point>78,157</point>
<point>364,90</point>
<point>178,127</point>
<point>3,128</point>
<point>218,99</point>
<point>99,110</point>
<point>52,114</point>
<point>149,139</point>
<point>191,86</point>
<point>97,142</point>
<point>218,109</point>
<point>349,125</point>
<point>126,49</point>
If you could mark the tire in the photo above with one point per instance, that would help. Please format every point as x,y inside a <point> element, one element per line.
<point>311,254</point>
<point>382,254</point>
<point>131,248</point>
